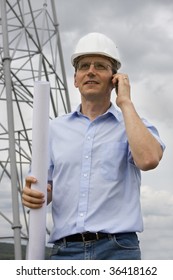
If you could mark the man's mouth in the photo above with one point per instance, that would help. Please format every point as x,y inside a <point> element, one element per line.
<point>91,82</point>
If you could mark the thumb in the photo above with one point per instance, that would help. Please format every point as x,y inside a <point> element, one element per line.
<point>29,181</point>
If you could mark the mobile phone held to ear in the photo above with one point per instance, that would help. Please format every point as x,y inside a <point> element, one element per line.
<point>115,85</point>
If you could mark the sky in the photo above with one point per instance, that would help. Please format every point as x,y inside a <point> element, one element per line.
<point>143,33</point>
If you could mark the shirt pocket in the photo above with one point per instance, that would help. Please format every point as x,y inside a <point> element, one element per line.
<point>113,160</point>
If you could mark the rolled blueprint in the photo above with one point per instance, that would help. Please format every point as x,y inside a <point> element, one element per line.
<point>39,168</point>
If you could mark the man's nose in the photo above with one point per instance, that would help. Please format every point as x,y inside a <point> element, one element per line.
<point>91,70</point>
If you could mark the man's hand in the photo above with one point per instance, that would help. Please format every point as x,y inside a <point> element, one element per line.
<point>122,87</point>
<point>30,197</point>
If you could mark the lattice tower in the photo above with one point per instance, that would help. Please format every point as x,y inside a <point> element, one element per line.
<point>30,50</point>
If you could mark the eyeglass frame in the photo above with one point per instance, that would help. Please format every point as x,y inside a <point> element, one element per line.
<point>113,67</point>
<point>103,65</point>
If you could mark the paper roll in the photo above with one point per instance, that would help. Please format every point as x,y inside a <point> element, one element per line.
<point>39,167</point>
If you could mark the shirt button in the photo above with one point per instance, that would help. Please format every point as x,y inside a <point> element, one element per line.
<point>89,137</point>
<point>85,174</point>
<point>86,157</point>
<point>81,214</point>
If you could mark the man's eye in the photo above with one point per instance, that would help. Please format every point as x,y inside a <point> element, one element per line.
<point>100,66</point>
<point>84,66</point>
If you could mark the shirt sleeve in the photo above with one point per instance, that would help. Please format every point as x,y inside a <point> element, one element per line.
<point>154,132</point>
<point>50,162</point>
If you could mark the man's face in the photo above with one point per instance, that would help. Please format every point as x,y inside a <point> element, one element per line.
<point>93,77</point>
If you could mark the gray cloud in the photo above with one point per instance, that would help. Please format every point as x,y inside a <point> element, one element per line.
<point>143,32</point>
<point>157,208</point>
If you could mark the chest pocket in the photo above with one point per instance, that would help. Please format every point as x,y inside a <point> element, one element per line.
<point>113,160</point>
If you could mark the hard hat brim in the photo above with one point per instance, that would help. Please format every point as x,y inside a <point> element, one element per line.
<point>76,55</point>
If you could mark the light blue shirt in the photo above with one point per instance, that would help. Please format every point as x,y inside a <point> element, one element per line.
<point>96,185</point>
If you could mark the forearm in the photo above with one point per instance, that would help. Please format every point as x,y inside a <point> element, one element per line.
<point>146,150</point>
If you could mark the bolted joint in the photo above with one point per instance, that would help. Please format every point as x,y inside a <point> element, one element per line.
<point>6,58</point>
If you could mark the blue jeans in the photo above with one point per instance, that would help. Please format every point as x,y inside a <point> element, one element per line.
<point>121,246</point>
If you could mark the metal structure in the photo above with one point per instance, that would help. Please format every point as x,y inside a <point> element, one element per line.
<point>30,50</point>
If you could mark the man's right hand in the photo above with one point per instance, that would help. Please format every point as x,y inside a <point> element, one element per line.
<point>30,197</point>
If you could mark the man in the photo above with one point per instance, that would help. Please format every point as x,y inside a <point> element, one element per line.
<point>96,154</point>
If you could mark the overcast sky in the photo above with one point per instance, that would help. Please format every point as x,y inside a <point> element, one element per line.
<point>143,33</point>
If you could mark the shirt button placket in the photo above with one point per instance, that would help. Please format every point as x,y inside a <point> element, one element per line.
<point>85,177</point>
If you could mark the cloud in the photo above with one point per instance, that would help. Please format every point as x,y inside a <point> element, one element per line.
<point>156,202</point>
<point>143,33</point>
<point>157,207</point>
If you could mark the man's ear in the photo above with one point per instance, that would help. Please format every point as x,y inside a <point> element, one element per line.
<point>75,82</point>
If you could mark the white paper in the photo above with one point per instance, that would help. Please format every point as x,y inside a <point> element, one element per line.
<point>39,168</point>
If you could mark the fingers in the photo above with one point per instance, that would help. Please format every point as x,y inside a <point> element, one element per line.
<point>120,78</point>
<point>49,188</point>
<point>122,87</point>
<point>32,198</point>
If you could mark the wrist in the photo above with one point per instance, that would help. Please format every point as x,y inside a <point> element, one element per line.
<point>125,104</point>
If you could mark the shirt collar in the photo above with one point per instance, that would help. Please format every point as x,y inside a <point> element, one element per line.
<point>112,110</point>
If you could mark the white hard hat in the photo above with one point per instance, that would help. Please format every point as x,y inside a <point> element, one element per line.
<point>96,43</point>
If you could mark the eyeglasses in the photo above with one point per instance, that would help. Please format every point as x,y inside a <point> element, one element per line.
<point>100,66</point>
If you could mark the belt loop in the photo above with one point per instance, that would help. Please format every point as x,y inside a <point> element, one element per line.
<point>65,242</point>
<point>97,236</point>
<point>111,236</point>
<point>83,237</point>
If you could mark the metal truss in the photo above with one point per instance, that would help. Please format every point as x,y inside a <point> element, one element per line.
<point>30,51</point>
